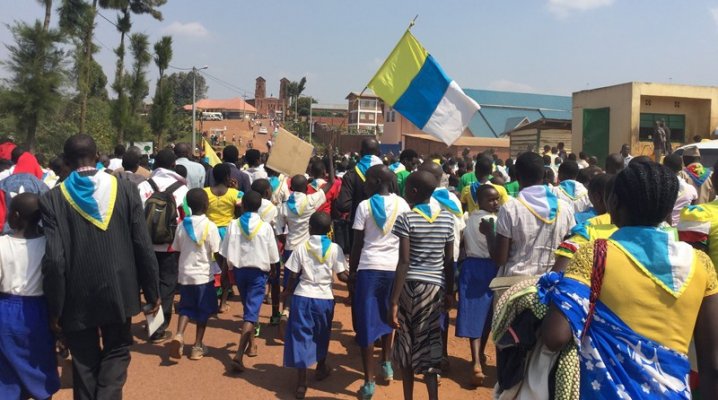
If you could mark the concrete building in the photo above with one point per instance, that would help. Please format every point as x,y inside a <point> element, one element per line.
<point>365,113</point>
<point>608,117</point>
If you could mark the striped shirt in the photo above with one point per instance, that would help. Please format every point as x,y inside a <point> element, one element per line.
<point>426,243</point>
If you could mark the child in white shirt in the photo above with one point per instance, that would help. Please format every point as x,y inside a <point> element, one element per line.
<point>269,212</point>
<point>375,254</point>
<point>27,346</point>
<point>473,318</point>
<point>312,264</point>
<point>251,251</point>
<point>197,240</point>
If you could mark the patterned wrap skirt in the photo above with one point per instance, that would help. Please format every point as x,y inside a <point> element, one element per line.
<point>418,341</point>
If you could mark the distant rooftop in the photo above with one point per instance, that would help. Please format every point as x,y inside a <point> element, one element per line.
<point>234,104</point>
<point>502,112</point>
<point>331,107</point>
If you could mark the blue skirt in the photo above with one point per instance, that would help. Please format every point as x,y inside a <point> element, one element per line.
<point>198,302</point>
<point>28,365</point>
<point>370,305</point>
<point>475,297</point>
<point>308,331</point>
<point>251,283</point>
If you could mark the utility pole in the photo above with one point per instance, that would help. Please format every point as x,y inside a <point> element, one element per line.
<point>194,106</point>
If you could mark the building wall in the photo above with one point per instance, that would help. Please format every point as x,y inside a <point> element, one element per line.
<point>627,101</point>
<point>538,138</point>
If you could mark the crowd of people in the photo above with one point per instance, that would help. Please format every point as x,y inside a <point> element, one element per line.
<point>592,282</point>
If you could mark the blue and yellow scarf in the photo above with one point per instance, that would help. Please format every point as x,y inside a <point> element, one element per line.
<point>93,197</point>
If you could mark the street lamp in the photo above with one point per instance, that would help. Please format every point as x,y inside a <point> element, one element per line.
<point>194,106</point>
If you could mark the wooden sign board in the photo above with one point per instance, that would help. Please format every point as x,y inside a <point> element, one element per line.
<point>290,155</point>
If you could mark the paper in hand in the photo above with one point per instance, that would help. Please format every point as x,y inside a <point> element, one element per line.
<point>154,321</point>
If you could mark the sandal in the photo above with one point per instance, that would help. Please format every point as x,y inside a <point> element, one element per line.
<point>176,347</point>
<point>300,392</point>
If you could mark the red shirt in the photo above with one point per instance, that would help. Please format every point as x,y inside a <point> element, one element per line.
<point>332,194</point>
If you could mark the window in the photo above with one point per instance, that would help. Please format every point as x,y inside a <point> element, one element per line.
<point>368,104</point>
<point>675,122</point>
<point>370,116</point>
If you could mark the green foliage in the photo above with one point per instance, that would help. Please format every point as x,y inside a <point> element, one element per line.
<point>36,67</point>
<point>162,105</point>
<point>181,83</point>
<point>138,87</point>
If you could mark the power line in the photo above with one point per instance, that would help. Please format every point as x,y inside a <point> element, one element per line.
<point>227,86</point>
<point>108,20</point>
<point>225,82</point>
<point>180,69</point>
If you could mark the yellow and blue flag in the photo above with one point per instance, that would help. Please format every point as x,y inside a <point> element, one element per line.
<point>415,85</point>
<point>209,155</point>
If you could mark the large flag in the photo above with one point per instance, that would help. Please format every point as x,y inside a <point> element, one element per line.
<point>415,85</point>
<point>209,154</point>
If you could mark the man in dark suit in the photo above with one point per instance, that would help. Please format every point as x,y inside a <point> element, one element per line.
<point>98,257</point>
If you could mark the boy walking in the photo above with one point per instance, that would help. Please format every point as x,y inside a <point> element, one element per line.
<point>197,240</point>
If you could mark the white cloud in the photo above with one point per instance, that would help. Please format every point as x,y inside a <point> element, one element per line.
<point>714,13</point>
<point>506,85</point>
<point>563,8</point>
<point>189,29</point>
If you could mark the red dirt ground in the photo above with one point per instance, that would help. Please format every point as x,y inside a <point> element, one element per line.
<point>152,375</point>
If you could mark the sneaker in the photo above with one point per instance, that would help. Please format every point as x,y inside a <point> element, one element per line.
<point>387,372</point>
<point>283,320</point>
<point>160,337</point>
<point>366,392</point>
<point>198,352</point>
<point>257,330</point>
<point>274,319</point>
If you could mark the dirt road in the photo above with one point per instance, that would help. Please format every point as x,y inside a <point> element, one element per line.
<point>152,375</point>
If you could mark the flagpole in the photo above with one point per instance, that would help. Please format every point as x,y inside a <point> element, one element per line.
<point>408,29</point>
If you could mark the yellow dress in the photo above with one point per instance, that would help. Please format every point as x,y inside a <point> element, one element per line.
<point>468,199</point>
<point>640,302</point>
<point>598,227</point>
<point>221,208</point>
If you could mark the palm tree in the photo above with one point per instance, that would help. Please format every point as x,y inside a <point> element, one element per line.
<point>294,90</point>
<point>48,13</point>
<point>162,105</point>
<point>120,113</point>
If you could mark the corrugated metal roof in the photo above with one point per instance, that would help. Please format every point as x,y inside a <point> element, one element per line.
<point>502,111</point>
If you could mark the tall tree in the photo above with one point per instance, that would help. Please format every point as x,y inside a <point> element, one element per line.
<point>294,90</point>
<point>120,108</point>
<point>181,83</point>
<point>36,77</point>
<point>48,13</point>
<point>162,105</point>
<point>137,86</point>
<point>77,18</point>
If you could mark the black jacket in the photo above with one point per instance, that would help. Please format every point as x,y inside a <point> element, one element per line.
<point>93,277</point>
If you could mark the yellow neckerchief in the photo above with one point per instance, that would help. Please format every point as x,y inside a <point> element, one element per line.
<point>429,218</point>
<point>319,257</point>
<point>389,223</point>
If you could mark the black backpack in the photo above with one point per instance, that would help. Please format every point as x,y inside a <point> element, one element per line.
<point>161,213</point>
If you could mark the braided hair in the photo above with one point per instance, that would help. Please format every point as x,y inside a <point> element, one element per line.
<point>647,191</point>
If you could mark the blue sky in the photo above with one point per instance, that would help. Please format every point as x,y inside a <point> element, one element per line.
<point>541,46</point>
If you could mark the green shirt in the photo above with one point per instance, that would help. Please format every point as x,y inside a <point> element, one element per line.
<point>466,180</point>
<point>401,181</point>
<point>513,188</point>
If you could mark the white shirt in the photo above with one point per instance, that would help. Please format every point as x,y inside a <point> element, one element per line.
<point>474,241</point>
<point>195,172</point>
<point>268,211</point>
<point>298,224</point>
<point>627,160</point>
<point>282,193</point>
<point>7,172</point>
<point>115,163</point>
<point>459,223</point>
<point>256,173</point>
<point>164,178</point>
<point>380,251</point>
<point>259,252</point>
<point>533,242</point>
<point>687,194</point>
<point>20,269</point>
<point>316,276</point>
<point>195,261</point>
